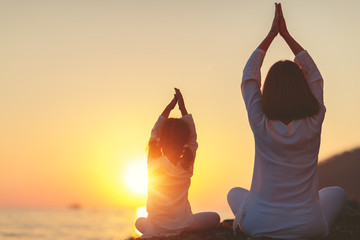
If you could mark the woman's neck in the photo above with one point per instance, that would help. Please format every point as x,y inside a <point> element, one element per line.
<point>286,122</point>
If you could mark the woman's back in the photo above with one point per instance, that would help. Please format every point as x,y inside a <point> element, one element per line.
<point>284,190</point>
<point>286,161</point>
<point>284,201</point>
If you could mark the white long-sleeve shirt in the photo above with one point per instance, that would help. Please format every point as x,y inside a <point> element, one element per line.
<point>168,207</point>
<point>283,199</point>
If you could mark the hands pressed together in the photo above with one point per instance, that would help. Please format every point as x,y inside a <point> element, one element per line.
<point>178,98</point>
<point>279,26</point>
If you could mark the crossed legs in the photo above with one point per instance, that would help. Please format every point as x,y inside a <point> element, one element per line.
<point>202,221</point>
<point>235,197</point>
<point>332,201</point>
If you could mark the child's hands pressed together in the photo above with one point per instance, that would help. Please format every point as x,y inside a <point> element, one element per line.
<point>181,103</point>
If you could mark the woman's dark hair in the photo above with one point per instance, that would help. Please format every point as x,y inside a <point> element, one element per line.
<point>286,94</point>
<point>174,134</point>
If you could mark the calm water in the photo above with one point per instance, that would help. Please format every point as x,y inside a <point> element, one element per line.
<point>66,224</point>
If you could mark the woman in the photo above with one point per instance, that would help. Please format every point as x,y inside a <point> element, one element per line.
<point>172,149</point>
<point>286,120</point>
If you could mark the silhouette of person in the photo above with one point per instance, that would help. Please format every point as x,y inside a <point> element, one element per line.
<point>171,154</point>
<point>286,119</point>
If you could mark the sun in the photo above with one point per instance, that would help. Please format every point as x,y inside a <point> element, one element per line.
<point>136,177</point>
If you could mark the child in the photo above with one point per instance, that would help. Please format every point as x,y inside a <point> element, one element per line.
<point>171,155</point>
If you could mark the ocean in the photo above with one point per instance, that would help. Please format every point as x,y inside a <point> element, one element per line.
<point>67,224</point>
<point>72,224</point>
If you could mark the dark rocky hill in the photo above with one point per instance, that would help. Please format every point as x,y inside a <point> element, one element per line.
<point>342,170</point>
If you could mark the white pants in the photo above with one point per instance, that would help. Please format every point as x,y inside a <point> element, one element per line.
<point>332,201</point>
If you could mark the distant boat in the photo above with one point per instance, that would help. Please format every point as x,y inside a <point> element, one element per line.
<point>74,206</point>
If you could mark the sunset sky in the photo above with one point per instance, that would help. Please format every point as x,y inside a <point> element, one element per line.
<point>83,82</point>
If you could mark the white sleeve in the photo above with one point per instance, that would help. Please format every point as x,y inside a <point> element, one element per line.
<point>156,129</point>
<point>192,144</point>
<point>313,76</point>
<point>250,86</point>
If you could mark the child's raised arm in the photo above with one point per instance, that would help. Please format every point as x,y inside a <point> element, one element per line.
<point>169,107</point>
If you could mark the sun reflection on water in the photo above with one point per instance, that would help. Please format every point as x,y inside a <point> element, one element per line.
<point>140,212</point>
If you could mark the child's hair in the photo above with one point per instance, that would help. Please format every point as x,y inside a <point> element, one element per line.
<point>286,94</point>
<point>174,134</point>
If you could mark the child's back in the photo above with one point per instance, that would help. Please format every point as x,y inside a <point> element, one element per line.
<point>172,150</point>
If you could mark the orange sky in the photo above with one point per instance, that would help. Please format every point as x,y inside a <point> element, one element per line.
<point>83,82</point>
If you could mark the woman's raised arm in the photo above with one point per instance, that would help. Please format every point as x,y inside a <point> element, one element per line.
<point>264,45</point>
<point>294,46</point>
